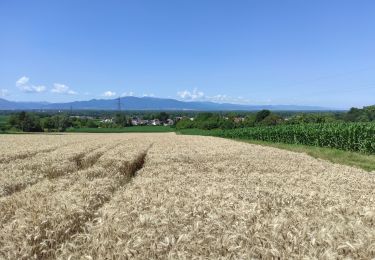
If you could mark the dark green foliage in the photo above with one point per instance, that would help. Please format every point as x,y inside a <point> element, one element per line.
<point>250,120</point>
<point>271,119</point>
<point>261,115</point>
<point>4,123</point>
<point>208,121</point>
<point>162,116</point>
<point>227,124</point>
<point>305,118</point>
<point>92,124</point>
<point>26,122</point>
<point>185,123</point>
<point>121,120</point>
<point>49,124</point>
<point>365,114</point>
<point>58,122</point>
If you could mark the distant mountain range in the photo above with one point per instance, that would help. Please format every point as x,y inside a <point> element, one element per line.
<point>146,103</point>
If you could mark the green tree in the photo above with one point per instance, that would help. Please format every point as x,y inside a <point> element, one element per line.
<point>121,120</point>
<point>262,115</point>
<point>227,124</point>
<point>271,119</point>
<point>48,123</point>
<point>250,120</point>
<point>185,123</point>
<point>91,124</point>
<point>26,122</point>
<point>162,116</point>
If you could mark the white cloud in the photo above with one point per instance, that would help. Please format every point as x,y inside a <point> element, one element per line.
<point>197,95</point>
<point>225,98</point>
<point>22,81</point>
<point>4,92</point>
<point>62,89</point>
<point>23,84</point>
<point>219,97</point>
<point>193,95</point>
<point>109,93</point>
<point>32,88</point>
<point>148,95</point>
<point>128,94</point>
<point>38,89</point>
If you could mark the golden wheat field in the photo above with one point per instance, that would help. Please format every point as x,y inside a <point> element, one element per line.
<point>167,196</point>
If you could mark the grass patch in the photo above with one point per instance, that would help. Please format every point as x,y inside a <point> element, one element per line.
<point>3,121</point>
<point>131,129</point>
<point>195,131</point>
<point>359,160</point>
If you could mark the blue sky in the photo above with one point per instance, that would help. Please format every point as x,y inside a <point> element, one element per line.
<point>253,52</point>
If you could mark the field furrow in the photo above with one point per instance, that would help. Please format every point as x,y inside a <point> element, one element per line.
<point>21,147</point>
<point>22,199</point>
<point>18,175</point>
<point>64,213</point>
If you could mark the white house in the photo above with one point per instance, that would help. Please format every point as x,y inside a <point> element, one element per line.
<point>155,122</point>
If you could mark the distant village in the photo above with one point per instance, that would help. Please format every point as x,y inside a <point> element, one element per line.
<point>136,121</point>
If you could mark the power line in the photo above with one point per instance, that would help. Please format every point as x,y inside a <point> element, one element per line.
<point>119,104</point>
<point>335,75</point>
<point>317,79</point>
<point>338,91</point>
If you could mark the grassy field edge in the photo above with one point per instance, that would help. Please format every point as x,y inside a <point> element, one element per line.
<point>131,129</point>
<point>363,161</point>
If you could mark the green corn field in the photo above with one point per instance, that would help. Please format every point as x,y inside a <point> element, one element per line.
<point>357,137</point>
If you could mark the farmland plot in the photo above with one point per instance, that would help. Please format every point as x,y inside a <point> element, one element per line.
<point>148,196</point>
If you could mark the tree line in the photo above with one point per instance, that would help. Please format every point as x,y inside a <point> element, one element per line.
<point>208,121</point>
<point>31,122</point>
<point>36,122</point>
<point>60,122</point>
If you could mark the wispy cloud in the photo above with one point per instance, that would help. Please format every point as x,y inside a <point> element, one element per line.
<point>128,94</point>
<point>32,88</point>
<point>197,95</point>
<point>62,89</point>
<point>191,95</point>
<point>23,84</point>
<point>109,93</point>
<point>225,98</point>
<point>22,81</point>
<point>148,95</point>
<point>4,92</point>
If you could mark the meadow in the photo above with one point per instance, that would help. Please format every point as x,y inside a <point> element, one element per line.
<point>162,195</point>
